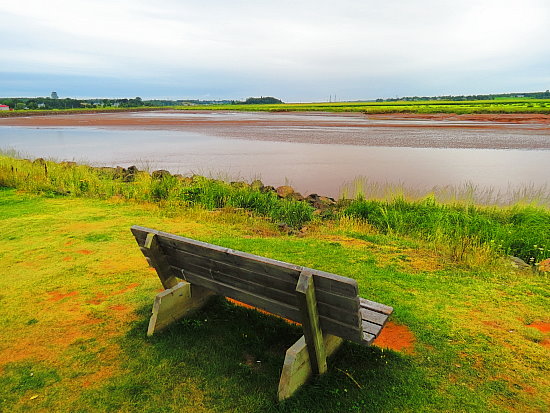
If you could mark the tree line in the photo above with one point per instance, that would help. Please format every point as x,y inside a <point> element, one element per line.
<point>492,96</point>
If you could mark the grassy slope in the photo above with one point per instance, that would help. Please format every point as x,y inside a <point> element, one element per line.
<point>75,295</point>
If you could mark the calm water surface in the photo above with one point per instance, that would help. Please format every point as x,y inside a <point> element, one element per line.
<point>314,166</point>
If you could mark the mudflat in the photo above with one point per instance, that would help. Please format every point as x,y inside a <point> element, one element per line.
<point>500,131</point>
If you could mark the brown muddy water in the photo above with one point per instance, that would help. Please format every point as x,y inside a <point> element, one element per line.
<point>314,152</point>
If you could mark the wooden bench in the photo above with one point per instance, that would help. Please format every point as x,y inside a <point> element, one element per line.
<point>327,305</point>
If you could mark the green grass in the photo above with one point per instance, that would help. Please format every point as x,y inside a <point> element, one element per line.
<point>519,105</point>
<point>52,178</point>
<point>76,294</point>
<point>522,231</point>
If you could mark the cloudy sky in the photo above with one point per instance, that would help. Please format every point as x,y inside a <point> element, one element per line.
<point>294,50</point>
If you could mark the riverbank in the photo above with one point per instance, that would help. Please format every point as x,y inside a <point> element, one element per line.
<point>464,231</point>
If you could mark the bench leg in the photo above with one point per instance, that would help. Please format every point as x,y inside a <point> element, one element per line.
<point>297,366</point>
<point>176,302</point>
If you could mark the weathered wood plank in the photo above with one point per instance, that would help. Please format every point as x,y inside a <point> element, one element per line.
<point>371,328</point>
<point>181,259</point>
<point>342,315</point>
<point>342,309</point>
<point>330,326</point>
<point>157,259</point>
<point>174,303</point>
<point>368,338</point>
<point>296,368</point>
<point>374,317</point>
<point>373,306</point>
<point>271,306</point>
<point>305,293</point>
<point>288,272</point>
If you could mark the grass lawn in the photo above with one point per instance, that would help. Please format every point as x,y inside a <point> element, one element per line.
<point>76,294</point>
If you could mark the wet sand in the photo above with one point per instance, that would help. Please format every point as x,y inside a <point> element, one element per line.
<point>480,131</point>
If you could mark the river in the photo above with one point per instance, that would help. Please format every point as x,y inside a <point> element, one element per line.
<point>315,153</point>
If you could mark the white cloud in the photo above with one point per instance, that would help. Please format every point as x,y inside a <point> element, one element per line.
<point>315,41</point>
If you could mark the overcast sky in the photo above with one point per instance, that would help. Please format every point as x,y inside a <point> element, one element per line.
<point>294,50</point>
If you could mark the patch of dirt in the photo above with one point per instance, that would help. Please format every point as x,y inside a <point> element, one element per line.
<point>396,337</point>
<point>57,296</point>
<point>126,289</point>
<point>52,338</point>
<point>67,258</point>
<point>542,326</point>
<point>100,297</point>
<point>84,252</point>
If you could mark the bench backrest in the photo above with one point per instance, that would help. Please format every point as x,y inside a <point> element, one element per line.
<point>261,282</point>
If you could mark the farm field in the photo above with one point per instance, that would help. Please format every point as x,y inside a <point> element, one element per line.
<point>420,107</point>
<point>541,106</point>
<point>76,295</point>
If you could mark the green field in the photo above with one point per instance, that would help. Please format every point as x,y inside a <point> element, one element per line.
<point>516,105</point>
<point>520,105</point>
<point>469,332</point>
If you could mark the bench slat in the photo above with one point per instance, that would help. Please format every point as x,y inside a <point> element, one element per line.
<point>247,297</point>
<point>288,272</point>
<point>326,310</point>
<point>374,317</point>
<point>379,308</point>
<point>340,308</point>
<point>328,325</point>
<point>371,328</point>
<point>368,338</point>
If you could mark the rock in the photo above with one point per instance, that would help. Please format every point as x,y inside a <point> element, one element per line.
<point>39,161</point>
<point>129,175</point>
<point>284,191</point>
<point>119,172</point>
<point>284,227</point>
<point>518,262</point>
<point>160,174</point>
<point>268,188</point>
<point>320,202</point>
<point>256,185</point>
<point>132,169</point>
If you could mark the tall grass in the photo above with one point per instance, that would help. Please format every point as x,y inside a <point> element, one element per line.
<point>465,193</point>
<point>522,231</point>
<point>81,180</point>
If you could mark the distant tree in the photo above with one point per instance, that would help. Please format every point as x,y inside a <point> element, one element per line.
<point>262,100</point>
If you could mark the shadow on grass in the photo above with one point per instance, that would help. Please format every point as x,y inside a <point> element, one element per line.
<point>229,358</point>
